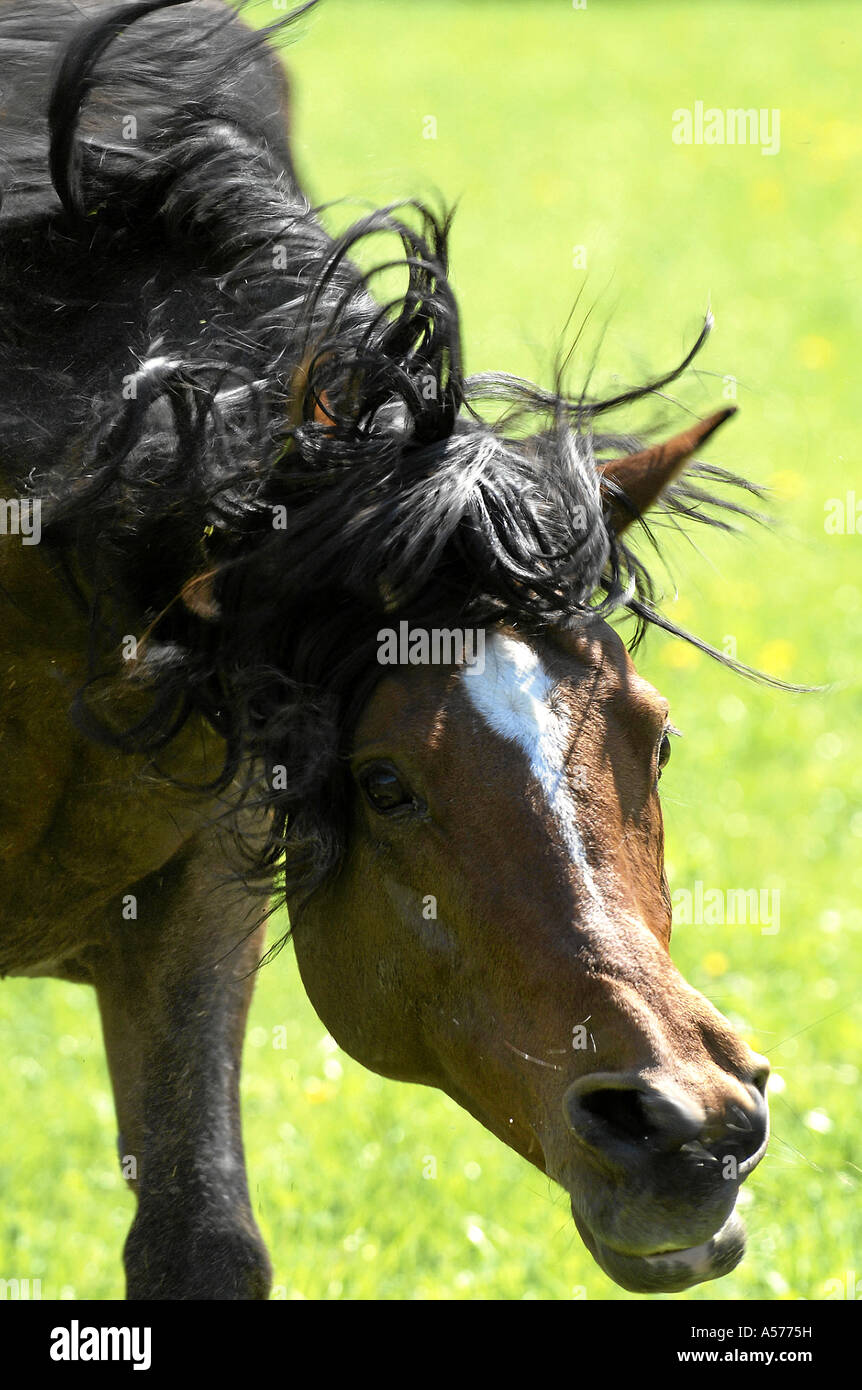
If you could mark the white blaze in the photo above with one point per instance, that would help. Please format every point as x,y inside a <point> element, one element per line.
<point>513,695</point>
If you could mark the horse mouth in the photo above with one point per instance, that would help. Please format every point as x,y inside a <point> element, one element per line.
<point>669,1270</point>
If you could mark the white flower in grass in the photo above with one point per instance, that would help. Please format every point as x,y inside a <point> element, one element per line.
<point>819,1121</point>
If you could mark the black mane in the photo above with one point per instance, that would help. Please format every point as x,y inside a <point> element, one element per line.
<point>253,459</point>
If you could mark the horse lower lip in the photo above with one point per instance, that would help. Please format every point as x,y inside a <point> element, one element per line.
<point>697,1257</point>
<point>671,1270</point>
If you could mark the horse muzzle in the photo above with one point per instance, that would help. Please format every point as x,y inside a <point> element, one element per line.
<point>655,1185</point>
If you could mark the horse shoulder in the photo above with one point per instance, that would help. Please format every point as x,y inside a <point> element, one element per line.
<point>79,821</point>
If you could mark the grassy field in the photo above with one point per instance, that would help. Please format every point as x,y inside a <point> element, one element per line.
<point>554,130</point>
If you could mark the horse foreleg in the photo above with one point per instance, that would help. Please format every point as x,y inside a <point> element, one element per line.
<point>174,987</point>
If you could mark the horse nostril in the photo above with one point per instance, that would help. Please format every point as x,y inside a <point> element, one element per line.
<point>633,1123</point>
<point>622,1112</point>
<point>609,1112</point>
<point>744,1130</point>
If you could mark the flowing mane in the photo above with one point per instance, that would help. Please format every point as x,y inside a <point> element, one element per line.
<point>260,486</point>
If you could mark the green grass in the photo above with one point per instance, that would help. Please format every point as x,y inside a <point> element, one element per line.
<point>553,130</point>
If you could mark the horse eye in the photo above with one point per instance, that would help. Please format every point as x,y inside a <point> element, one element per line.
<point>384,790</point>
<point>663,753</point>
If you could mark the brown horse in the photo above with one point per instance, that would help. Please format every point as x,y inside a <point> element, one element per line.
<point>242,473</point>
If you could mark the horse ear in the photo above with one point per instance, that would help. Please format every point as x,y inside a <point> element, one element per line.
<point>644,476</point>
<point>299,393</point>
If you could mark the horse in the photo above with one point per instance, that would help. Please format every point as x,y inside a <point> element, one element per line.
<point>232,473</point>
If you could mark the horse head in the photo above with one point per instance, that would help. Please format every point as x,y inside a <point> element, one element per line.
<point>500,929</point>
